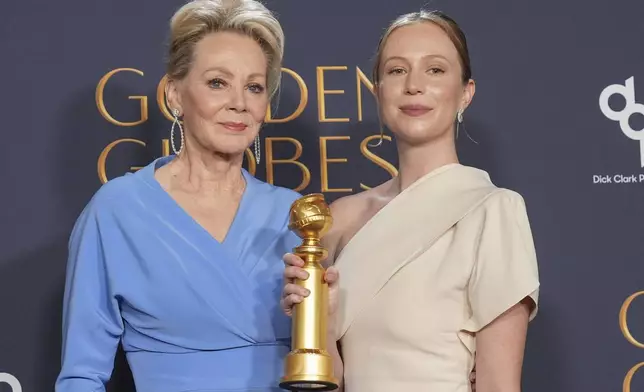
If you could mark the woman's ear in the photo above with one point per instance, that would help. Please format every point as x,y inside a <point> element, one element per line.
<point>376,92</point>
<point>468,94</point>
<point>173,97</point>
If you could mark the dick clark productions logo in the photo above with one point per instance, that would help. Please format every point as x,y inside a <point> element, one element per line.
<point>627,90</point>
<point>13,382</point>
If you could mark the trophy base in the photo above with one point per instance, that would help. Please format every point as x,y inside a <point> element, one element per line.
<point>309,370</point>
<point>307,385</point>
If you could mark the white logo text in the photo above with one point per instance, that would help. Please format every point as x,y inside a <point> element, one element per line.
<point>627,90</point>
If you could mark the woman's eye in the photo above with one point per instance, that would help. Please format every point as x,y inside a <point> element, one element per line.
<point>217,83</point>
<point>256,88</point>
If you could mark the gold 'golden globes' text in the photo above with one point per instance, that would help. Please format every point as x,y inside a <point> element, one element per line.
<point>626,331</point>
<point>325,142</point>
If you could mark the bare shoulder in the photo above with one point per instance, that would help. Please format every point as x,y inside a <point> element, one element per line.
<point>350,209</point>
<point>349,214</point>
<point>343,208</point>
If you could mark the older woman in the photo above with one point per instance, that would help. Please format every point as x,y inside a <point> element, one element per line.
<point>181,261</point>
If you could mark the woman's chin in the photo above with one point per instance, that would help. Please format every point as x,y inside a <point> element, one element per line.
<point>229,147</point>
<point>417,137</point>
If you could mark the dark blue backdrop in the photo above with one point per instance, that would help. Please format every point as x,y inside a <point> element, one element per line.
<point>540,67</point>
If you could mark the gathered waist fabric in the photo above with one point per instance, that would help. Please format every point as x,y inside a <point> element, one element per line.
<point>256,368</point>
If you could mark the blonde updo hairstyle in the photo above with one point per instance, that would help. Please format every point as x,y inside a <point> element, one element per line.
<point>198,18</point>
<point>444,22</point>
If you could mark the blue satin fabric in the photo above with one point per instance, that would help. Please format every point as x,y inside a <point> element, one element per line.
<point>192,314</point>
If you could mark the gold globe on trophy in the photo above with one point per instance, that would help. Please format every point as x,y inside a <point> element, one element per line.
<point>309,367</point>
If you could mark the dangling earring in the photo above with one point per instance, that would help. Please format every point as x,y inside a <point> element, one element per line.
<point>175,113</point>
<point>382,133</point>
<point>459,120</point>
<point>382,136</point>
<point>257,149</point>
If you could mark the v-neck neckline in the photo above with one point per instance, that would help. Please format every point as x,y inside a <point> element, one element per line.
<point>149,177</point>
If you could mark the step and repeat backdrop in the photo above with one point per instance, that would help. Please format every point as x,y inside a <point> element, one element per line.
<point>558,116</point>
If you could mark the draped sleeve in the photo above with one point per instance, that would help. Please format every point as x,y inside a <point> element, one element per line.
<point>92,325</point>
<point>505,270</point>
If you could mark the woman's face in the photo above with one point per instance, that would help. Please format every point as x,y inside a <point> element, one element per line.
<point>421,88</point>
<point>223,98</point>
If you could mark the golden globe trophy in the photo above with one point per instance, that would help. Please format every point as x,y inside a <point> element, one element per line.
<point>309,367</point>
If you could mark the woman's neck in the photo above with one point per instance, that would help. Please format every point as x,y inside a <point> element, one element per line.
<point>207,173</point>
<point>415,161</point>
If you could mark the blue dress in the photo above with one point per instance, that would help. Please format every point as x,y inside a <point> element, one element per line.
<point>192,314</point>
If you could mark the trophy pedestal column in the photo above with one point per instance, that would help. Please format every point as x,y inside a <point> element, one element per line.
<point>309,367</point>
